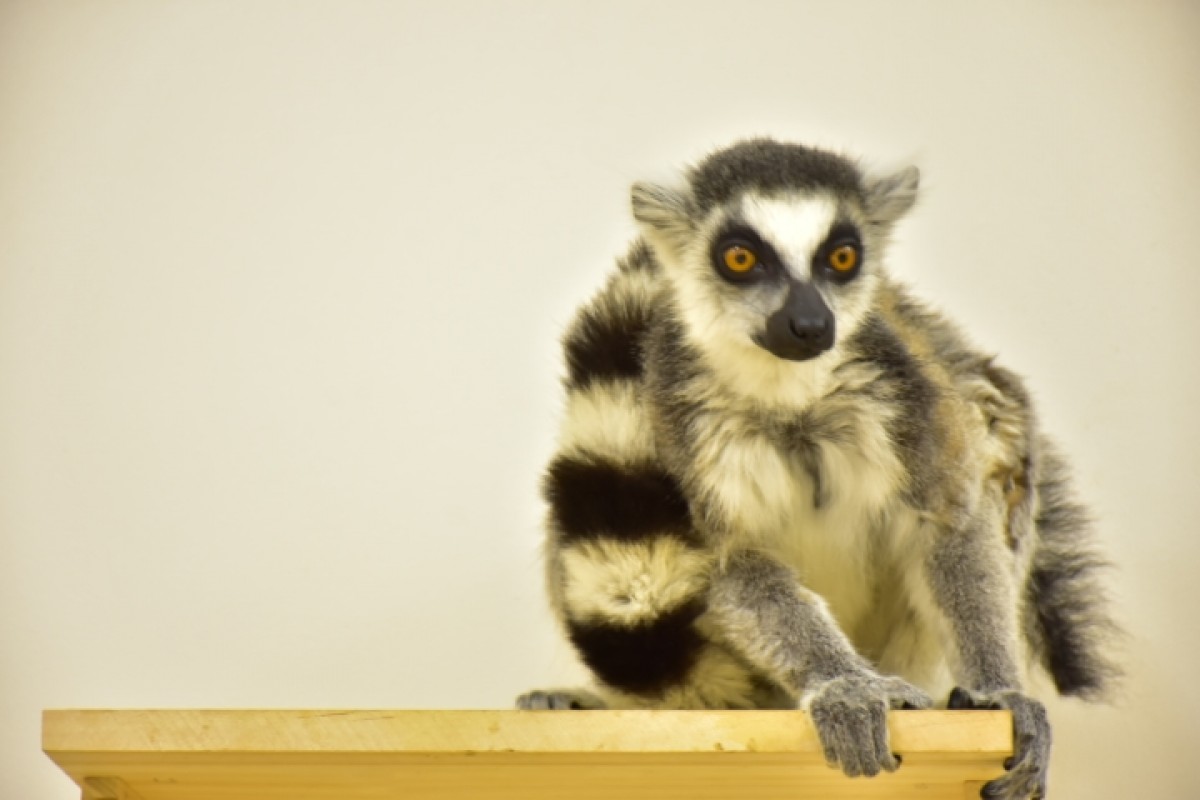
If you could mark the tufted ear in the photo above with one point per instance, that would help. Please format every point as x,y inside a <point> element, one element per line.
<point>890,196</point>
<point>664,214</point>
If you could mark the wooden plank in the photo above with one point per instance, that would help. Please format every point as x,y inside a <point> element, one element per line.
<point>229,755</point>
<point>107,789</point>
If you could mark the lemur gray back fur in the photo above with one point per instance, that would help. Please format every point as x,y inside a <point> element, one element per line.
<point>792,482</point>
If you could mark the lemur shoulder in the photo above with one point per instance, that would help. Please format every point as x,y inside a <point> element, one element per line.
<point>781,480</point>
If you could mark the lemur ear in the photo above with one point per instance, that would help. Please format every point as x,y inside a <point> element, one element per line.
<point>890,196</point>
<point>664,213</point>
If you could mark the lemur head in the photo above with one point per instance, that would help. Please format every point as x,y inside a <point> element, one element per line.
<point>772,248</point>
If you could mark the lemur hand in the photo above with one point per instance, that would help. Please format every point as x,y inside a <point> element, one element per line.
<point>850,714</point>
<point>1026,776</point>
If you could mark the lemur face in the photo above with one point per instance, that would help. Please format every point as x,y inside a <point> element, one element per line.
<point>772,251</point>
<point>789,274</point>
<point>791,270</point>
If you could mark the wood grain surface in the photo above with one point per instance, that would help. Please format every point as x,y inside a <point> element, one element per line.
<point>579,755</point>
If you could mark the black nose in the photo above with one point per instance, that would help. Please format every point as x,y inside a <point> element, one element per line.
<point>815,331</point>
<point>803,329</point>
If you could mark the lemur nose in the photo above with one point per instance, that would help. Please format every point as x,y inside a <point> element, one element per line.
<point>809,329</point>
<point>802,328</point>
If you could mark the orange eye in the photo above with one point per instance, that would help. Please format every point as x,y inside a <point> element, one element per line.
<point>844,258</point>
<point>740,259</point>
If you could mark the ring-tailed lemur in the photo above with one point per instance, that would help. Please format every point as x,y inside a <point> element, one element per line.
<point>783,480</point>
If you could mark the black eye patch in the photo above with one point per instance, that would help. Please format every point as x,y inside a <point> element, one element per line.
<point>842,233</point>
<point>730,248</point>
<point>840,256</point>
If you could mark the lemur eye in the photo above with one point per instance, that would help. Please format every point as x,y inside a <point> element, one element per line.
<point>740,259</point>
<point>844,258</point>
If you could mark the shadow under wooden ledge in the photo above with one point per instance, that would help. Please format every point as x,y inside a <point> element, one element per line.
<point>516,755</point>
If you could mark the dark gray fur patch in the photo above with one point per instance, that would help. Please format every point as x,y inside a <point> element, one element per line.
<point>674,370</point>
<point>764,165</point>
<point>903,380</point>
<point>810,457</point>
<point>675,365</point>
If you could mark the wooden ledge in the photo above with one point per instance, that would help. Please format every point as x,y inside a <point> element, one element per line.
<point>516,755</point>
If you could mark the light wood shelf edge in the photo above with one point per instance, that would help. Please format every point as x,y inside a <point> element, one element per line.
<point>235,754</point>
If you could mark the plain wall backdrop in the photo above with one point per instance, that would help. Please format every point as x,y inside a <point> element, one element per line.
<point>281,286</point>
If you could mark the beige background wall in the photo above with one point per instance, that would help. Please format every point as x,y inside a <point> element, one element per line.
<point>280,285</point>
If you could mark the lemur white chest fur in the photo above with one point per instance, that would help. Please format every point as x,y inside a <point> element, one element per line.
<point>834,512</point>
<point>821,512</point>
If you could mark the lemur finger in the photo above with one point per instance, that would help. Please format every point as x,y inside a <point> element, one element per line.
<point>841,735</point>
<point>832,758</point>
<point>865,741</point>
<point>883,756</point>
<point>857,742</point>
<point>829,734</point>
